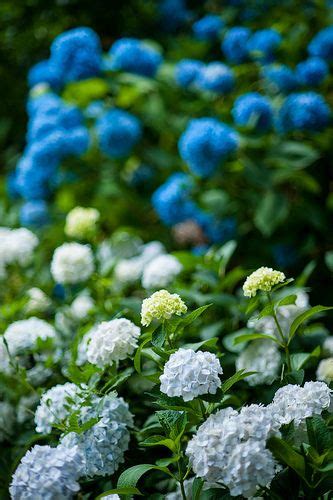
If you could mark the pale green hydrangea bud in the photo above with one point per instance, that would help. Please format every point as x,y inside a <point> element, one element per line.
<point>325,370</point>
<point>262,279</point>
<point>161,305</point>
<point>81,222</point>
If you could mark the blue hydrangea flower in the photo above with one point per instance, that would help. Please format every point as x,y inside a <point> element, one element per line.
<point>46,473</point>
<point>77,54</point>
<point>187,71</point>
<point>104,444</point>
<point>253,110</point>
<point>216,77</point>
<point>173,14</point>
<point>304,111</point>
<point>322,44</point>
<point>205,143</point>
<point>208,28</point>
<point>42,124</point>
<point>135,56</point>
<point>118,132</point>
<point>280,78</point>
<point>234,45</point>
<point>217,230</point>
<point>312,72</point>
<point>76,141</point>
<point>172,199</point>
<point>32,182</point>
<point>47,103</point>
<point>95,109</point>
<point>44,72</point>
<point>263,44</point>
<point>34,213</point>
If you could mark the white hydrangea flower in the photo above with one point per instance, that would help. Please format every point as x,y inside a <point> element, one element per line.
<point>161,271</point>
<point>188,374</point>
<point>104,444</point>
<point>263,279</point>
<point>285,316</point>
<point>7,420</point>
<point>328,346</point>
<point>81,222</point>
<point>112,341</point>
<point>260,356</point>
<point>81,357</point>
<point>38,301</point>
<point>296,403</point>
<point>16,247</point>
<point>81,306</point>
<point>130,270</point>
<point>56,405</point>
<point>111,497</point>
<point>46,473</point>
<point>21,336</point>
<point>72,263</point>
<point>161,305</point>
<point>325,370</point>
<point>212,451</point>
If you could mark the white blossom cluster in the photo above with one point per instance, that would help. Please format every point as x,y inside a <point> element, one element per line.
<point>296,403</point>
<point>81,222</point>
<point>7,420</point>
<point>328,346</point>
<point>161,305</point>
<point>263,357</point>
<point>38,301</point>
<point>81,306</point>
<point>72,263</point>
<point>130,270</point>
<point>112,341</point>
<point>188,374</point>
<point>82,348</point>
<point>46,473</point>
<point>104,444</point>
<point>56,405</point>
<point>325,370</point>
<point>229,448</point>
<point>22,336</point>
<point>262,279</point>
<point>285,315</point>
<point>16,247</point>
<point>161,271</point>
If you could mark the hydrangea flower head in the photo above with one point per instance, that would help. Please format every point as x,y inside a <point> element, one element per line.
<point>104,444</point>
<point>44,72</point>
<point>112,341</point>
<point>76,54</point>
<point>188,374</point>
<point>46,472</point>
<point>72,263</point>
<point>173,13</point>
<point>263,44</point>
<point>312,72</point>
<point>34,213</point>
<point>208,27</point>
<point>262,279</point>
<point>279,78</point>
<point>187,71</point>
<point>161,305</point>
<point>118,132</point>
<point>325,370</point>
<point>262,357</point>
<point>56,405</point>
<point>234,45</point>
<point>81,222</point>
<point>205,143</point>
<point>322,44</point>
<point>161,271</point>
<point>304,111</point>
<point>253,110</point>
<point>216,77</point>
<point>135,56</point>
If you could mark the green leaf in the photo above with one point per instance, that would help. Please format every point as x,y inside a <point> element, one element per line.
<point>159,441</point>
<point>130,477</point>
<point>138,355</point>
<point>120,491</point>
<point>285,454</point>
<point>196,488</point>
<point>319,434</point>
<point>192,316</point>
<point>329,260</point>
<point>306,273</point>
<point>158,337</point>
<point>288,300</point>
<point>301,318</point>
<point>254,336</point>
<point>208,343</point>
<point>252,305</point>
<point>299,359</point>
<point>240,375</point>
<point>173,422</point>
<point>294,377</point>
<point>271,212</point>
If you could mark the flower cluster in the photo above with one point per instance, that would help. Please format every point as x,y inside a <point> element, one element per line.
<point>263,357</point>
<point>262,279</point>
<point>134,56</point>
<point>189,374</point>
<point>72,263</point>
<point>161,305</point>
<point>161,271</point>
<point>81,222</point>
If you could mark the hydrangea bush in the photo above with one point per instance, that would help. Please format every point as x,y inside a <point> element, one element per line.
<point>167,223</point>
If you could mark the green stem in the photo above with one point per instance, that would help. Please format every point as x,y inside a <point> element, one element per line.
<point>284,342</point>
<point>181,482</point>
